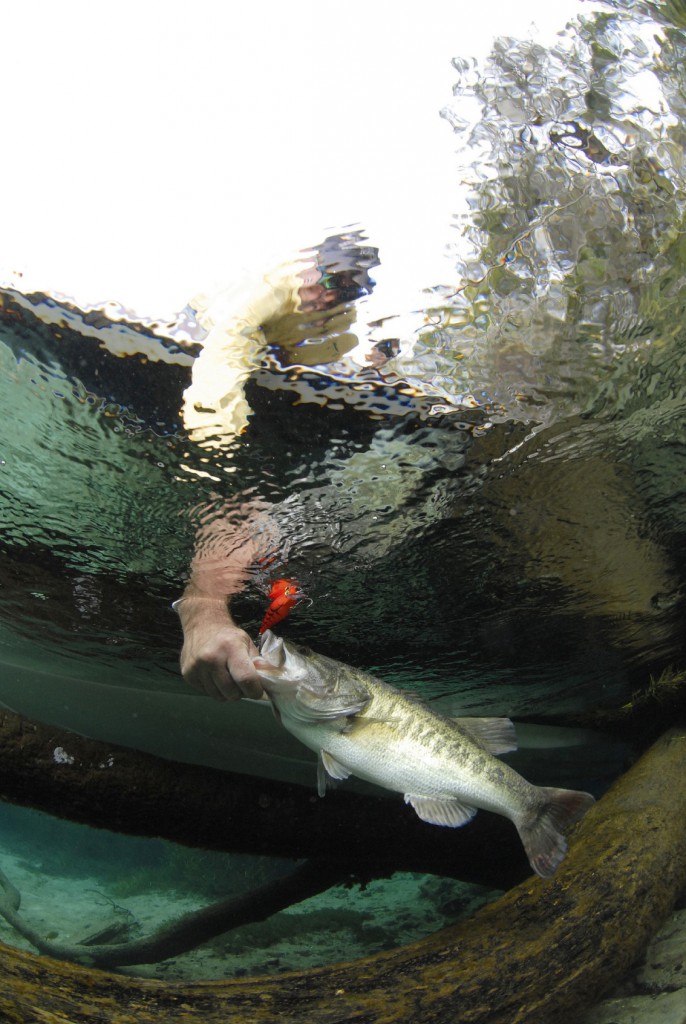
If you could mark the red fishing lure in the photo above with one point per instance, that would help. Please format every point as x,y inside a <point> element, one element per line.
<point>283,595</point>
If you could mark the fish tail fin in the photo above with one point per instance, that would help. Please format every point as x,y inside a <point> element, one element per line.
<point>542,831</point>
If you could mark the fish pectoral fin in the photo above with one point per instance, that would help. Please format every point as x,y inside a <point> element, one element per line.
<point>441,810</point>
<point>496,735</point>
<point>329,767</point>
<point>313,706</point>
<point>333,767</point>
<point>321,778</point>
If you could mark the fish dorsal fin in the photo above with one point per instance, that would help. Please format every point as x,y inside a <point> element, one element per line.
<point>441,810</point>
<point>496,735</point>
<point>316,706</point>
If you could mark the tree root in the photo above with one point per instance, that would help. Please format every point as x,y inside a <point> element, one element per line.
<point>542,953</point>
<point>186,932</point>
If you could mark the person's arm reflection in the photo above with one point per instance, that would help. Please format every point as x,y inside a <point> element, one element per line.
<point>217,654</point>
<point>309,298</point>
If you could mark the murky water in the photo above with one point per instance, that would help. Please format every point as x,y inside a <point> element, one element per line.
<point>481,495</point>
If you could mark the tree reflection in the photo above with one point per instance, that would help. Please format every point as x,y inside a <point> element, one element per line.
<point>575,222</point>
<point>569,308</point>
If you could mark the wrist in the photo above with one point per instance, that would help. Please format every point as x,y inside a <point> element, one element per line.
<point>193,606</point>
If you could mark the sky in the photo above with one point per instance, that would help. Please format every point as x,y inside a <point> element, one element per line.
<point>151,149</point>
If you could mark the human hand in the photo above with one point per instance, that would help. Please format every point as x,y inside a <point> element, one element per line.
<point>216,657</point>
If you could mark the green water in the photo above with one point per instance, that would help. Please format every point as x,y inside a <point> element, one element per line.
<point>510,536</point>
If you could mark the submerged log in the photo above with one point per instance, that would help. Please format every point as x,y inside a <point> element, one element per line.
<point>651,709</point>
<point>127,791</point>
<point>181,934</point>
<point>541,953</point>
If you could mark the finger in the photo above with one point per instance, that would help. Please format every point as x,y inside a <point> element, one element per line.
<point>210,689</point>
<point>196,681</point>
<point>251,688</point>
<point>202,679</point>
<point>223,683</point>
<point>246,678</point>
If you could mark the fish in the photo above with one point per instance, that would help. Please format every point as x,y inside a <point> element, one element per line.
<point>284,595</point>
<point>446,768</point>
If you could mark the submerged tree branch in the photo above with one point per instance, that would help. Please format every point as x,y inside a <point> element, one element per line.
<point>187,932</point>
<point>112,787</point>
<point>543,952</point>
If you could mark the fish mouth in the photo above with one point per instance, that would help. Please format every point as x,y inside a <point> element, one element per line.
<point>271,647</point>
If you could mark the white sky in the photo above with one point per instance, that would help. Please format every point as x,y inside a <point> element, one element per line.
<point>149,147</point>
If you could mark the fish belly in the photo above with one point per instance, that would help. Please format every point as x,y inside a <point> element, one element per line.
<point>475,778</point>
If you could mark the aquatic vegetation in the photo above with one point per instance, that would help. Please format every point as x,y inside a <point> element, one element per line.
<point>667,691</point>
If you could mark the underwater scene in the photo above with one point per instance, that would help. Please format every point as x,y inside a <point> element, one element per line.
<point>471,488</point>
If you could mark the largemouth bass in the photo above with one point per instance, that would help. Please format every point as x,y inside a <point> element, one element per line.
<point>444,767</point>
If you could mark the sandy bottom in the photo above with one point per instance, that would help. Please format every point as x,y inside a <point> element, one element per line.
<point>341,924</point>
<point>76,881</point>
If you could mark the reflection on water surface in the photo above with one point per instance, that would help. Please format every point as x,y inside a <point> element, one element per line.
<point>481,495</point>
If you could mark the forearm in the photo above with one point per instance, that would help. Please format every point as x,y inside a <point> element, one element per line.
<point>196,609</point>
<point>231,541</point>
